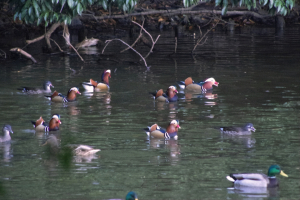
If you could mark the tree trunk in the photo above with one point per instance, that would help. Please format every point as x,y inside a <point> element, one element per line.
<point>49,32</point>
<point>66,34</point>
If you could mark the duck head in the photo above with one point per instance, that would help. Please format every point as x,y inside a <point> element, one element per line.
<point>171,91</point>
<point>105,76</point>
<point>72,93</point>
<point>131,196</point>
<point>7,129</point>
<point>274,170</point>
<point>173,126</point>
<point>213,81</point>
<point>47,85</point>
<point>54,122</point>
<point>249,127</point>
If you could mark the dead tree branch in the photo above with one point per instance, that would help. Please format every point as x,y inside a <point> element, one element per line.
<point>108,41</point>
<point>199,40</point>
<point>57,45</point>
<point>140,35</point>
<point>66,35</point>
<point>24,53</point>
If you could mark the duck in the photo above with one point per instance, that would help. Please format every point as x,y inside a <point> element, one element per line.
<point>203,86</point>
<point>257,179</point>
<point>156,131</point>
<point>58,97</point>
<point>93,86</point>
<point>6,130</point>
<point>243,130</point>
<point>30,90</point>
<point>84,150</point>
<point>169,96</point>
<point>131,196</point>
<point>41,125</point>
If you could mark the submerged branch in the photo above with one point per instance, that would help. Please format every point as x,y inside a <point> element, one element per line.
<point>24,53</point>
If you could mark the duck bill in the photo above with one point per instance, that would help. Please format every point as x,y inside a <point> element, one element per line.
<point>253,129</point>
<point>176,91</point>
<point>51,85</point>
<point>216,84</point>
<point>78,92</point>
<point>59,121</point>
<point>283,174</point>
<point>178,126</point>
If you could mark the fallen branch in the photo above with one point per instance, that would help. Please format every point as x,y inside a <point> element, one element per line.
<point>87,43</point>
<point>57,45</point>
<point>108,41</point>
<point>140,35</point>
<point>24,53</point>
<point>69,44</point>
<point>199,40</point>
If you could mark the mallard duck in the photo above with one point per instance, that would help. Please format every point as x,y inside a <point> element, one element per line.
<point>131,196</point>
<point>256,179</point>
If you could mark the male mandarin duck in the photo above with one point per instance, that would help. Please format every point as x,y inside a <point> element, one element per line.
<point>40,124</point>
<point>6,130</point>
<point>46,89</point>
<point>203,86</point>
<point>244,130</point>
<point>131,196</point>
<point>257,179</point>
<point>169,96</point>
<point>101,86</point>
<point>58,97</point>
<point>156,131</point>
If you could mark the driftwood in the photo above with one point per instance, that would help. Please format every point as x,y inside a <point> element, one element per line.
<point>24,53</point>
<point>87,43</point>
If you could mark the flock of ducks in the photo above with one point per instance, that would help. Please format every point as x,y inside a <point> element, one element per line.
<point>154,131</point>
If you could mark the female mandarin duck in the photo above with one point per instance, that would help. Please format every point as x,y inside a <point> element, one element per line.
<point>71,96</point>
<point>6,130</point>
<point>203,86</point>
<point>157,132</point>
<point>256,179</point>
<point>102,86</point>
<point>54,123</point>
<point>244,130</point>
<point>169,96</point>
<point>46,89</point>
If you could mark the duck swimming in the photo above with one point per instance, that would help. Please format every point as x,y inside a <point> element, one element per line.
<point>257,179</point>
<point>30,90</point>
<point>58,97</point>
<point>101,86</point>
<point>156,131</point>
<point>6,130</point>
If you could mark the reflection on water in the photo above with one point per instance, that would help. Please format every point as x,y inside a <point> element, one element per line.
<point>254,192</point>
<point>6,150</point>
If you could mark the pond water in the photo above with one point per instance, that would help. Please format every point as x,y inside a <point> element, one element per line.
<point>258,71</point>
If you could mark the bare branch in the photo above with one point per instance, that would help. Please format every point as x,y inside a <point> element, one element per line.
<point>108,41</point>
<point>67,39</point>
<point>4,53</point>
<point>24,53</point>
<point>140,35</point>
<point>56,45</point>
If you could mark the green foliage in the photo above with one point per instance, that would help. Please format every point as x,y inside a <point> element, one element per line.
<point>50,11</point>
<point>282,7</point>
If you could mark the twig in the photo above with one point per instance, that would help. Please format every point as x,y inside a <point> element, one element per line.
<point>4,53</point>
<point>57,45</point>
<point>175,44</point>
<point>24,53</point>
<point>153,42</point>
<point>68,43</point>
<point>140,35</point>
<point>198,42</point>
<point>108,41</point>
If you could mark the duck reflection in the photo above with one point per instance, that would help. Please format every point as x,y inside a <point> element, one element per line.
<point>192,95</point>
<point>5,147</point>
<point>171,145</point>
<point>254,192</point>
<point>245,140</point>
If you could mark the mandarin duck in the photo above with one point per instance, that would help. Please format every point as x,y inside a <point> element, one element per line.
<point>244,130</point>
<point>58,97</point>
<point>101,86</point>
<point>169,96</point>
<point>156,131</point>
<point>257,179</point>
<point>30,90</point>
<point>202,86</point>
<point>41,125</point>
<point>6,130</point>
<point>131,196</point>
